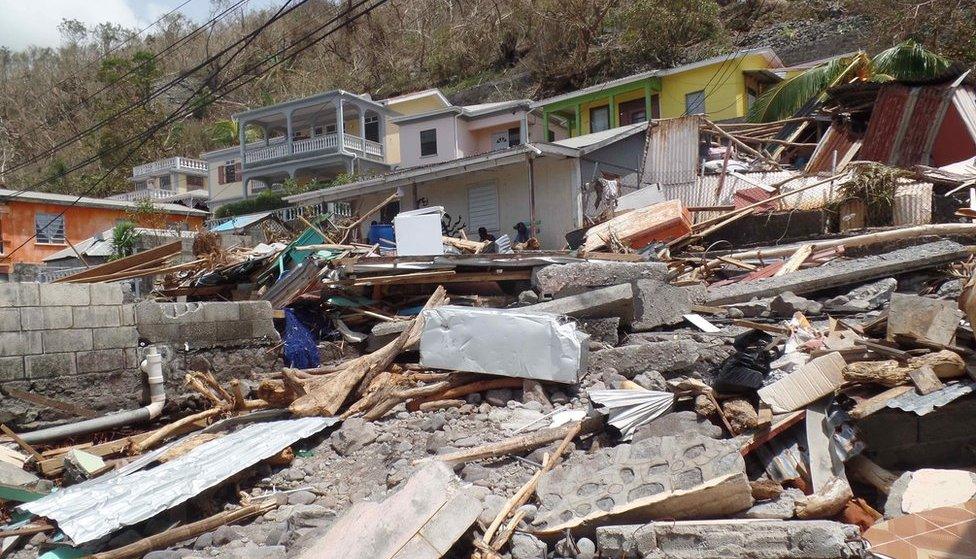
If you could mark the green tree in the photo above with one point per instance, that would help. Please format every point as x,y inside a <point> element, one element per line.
<point>907,60</point>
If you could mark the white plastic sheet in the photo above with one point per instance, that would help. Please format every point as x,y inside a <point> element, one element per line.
<point>512,343</point>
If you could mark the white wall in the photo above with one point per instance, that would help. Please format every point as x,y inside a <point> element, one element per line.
<point>410,141</point>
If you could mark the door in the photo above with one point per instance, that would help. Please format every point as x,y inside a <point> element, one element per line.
<point>599,119</point>
<point>633,112</point>
<point>483,209</point>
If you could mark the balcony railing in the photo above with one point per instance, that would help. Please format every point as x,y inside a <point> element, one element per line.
<point>171,164</point>
<point>144,194</point>
<point>291,213</point>
<point>325,143</point>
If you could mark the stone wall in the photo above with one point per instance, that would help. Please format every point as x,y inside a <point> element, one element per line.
<point>80,344</point>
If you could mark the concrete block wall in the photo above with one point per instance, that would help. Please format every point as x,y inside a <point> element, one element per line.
<point>49,330</point>
<point>204,325</point>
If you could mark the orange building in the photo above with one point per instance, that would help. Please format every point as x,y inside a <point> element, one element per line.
<point>42,223</point>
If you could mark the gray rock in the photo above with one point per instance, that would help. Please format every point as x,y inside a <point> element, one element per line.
<point>529,512</point>
<point>674,356</point>
<point>563,279</point>
<point>651,380</point>
<point>787,304</point>
<point>658,304</point>
<point>254,551</point>
<point>226,534</point>
<point>498,396</point>
<point>278,534</point>
<point>301,498</point>
<point>750,309</point>
<point>203,541</point>
<point>473,472</point>
<point>354,434</point>
<point>163,554</point>
<point>308,516</point>
<point>527,546</point>
<point>605,330</point>
<point>951,289</point>
<point>473,399</point>
<point>586,547</point>
<point>293,474</point>
<point>528,297</point>
<point>866,297</point>
<point>780,508</point>
<point>491,505</point>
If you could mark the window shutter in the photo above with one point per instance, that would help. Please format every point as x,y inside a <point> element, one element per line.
<point>221,175</point>
<point>483,208</point>
<point>237,172</point>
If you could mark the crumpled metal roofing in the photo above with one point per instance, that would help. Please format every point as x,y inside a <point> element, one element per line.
<point>912,401</point>
<point>95,509</point>
<point>629,409</point>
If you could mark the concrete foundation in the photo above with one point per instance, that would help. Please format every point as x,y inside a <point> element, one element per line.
<point>577,277</point>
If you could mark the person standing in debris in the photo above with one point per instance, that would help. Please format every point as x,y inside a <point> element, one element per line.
<point>521,233</point>
<point>484,235</point>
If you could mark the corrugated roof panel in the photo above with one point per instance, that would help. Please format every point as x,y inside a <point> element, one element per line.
<point>912,401</point>
<point>911,149</point>
<point>884,124</point>
<point>671,153</point>
<point>840,139</point>
<point>94,509</point>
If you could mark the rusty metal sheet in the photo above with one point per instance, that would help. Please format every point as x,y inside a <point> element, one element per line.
<point>671,152</point>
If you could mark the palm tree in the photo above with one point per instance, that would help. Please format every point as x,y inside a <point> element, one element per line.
<point>907,60</point>
<point>225,133</point>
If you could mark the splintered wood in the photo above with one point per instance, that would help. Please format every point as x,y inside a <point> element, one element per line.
<point>325,395</point>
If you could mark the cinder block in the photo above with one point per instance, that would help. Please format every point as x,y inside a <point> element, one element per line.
<point>106,293</point>
<point>221,312</point>
<point>182,313</point>
<point>49,365</point>
<point>256,310</point>
<point>115,338</point>
<point>158,333</point>
<point>96,317</point>
<point>199,334</point>
<point>11,368</point>
<point>14,294</point>
<point>100,361</point>
<point>131,358</point>
<point>46,318</point>
<point>10,320</point>
<point>238,330</point>
<point>76,339</point>
<point>127,315</point>
<point>148,312</point>
<point>13,343</point>
<point>64,294</point>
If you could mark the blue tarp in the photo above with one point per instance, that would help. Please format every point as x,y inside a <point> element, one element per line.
<point>300,349</point>
<point>239,222</point>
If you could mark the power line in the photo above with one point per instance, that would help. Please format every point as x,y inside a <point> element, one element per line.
<point>712,77</point>
<point>175,114</point>
<point>142,102</point>
<point>123,43</point>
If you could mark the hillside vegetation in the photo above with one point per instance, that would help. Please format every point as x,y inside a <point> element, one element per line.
<point>475,50</point>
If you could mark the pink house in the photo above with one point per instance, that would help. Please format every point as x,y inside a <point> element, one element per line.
<point>460,131</point>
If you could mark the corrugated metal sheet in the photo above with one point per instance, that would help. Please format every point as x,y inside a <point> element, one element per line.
<point>95,509</point>
<point>921,124</point>
<point>912,401</point>
<point>912,204</point>
<point>885,122</point>
<point>840,139</point>
<point>483,208</point>
<point>965,102</point>
<point>671,153</point>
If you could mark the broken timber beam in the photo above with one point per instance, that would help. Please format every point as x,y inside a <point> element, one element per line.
<point>841,273</point>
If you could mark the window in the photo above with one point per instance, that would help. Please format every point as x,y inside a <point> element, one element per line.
<point>695,102</point>
<point>428,142</point>
<point>632,112</point>
<point>193,180</point>
<point>751,95</point>
<point>514,137</point>
<point>599,119</point>
<point>49,228</point>
<point>164,182</point>
<point>229,172</point>
<point>372,132</point>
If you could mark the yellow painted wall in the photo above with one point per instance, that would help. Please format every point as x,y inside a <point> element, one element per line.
<point>416,106</point>
<point>725,95</point>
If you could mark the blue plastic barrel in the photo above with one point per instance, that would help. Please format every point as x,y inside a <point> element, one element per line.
<point>381,231</point>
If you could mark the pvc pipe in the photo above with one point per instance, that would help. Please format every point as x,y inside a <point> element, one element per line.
<point>152,365</point>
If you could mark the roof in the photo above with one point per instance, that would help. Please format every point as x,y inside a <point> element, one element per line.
<point>85,201</point>
<point>100,245</point>
<point>416,95</point>
<point>434,171</point>
<point>239,222</point>
<point>468,111</point>
<point>769,53</point>
<point>258,112</point>
<point>597,140</point>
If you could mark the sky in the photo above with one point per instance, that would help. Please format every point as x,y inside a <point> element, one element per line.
<point>35,22</point>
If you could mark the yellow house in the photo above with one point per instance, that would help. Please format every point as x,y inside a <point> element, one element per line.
<point>723,87</point>
<point>417,103</point>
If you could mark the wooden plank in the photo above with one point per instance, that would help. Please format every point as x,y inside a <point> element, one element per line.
<point>20,442</point>
<point>877,402</point>
<point>66,407</point>
<point>925,380</point>
<point>444,277</point>
<point>771,328</point>
<point>126,263</point>
<point>793,263</point>
<point>779,424</point>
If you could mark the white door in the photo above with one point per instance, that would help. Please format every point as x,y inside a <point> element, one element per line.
<point>483,208</point>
